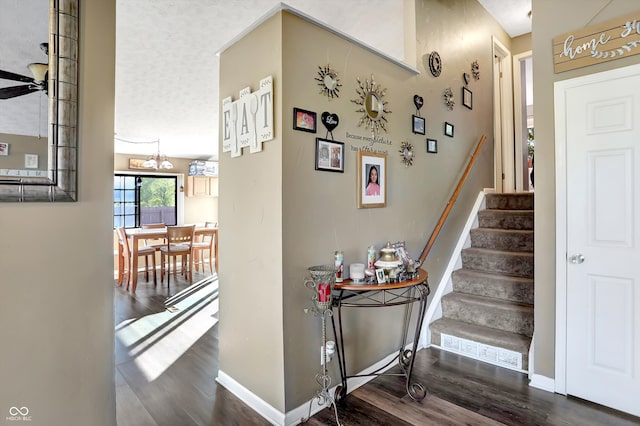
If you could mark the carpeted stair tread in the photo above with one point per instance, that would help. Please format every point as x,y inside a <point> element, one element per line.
<point>512,201</point>
<point>498,261</point>
<point>488,336</point>
<point>502,239</point>
<point>506,219</point>
<point>499,286</point>
<point>489,312</point>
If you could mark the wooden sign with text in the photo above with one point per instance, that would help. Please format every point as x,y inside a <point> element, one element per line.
<point>614,39</point>
<point>248,121</point>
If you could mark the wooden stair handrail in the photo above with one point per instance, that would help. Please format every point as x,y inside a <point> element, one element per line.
<point>447,209</point>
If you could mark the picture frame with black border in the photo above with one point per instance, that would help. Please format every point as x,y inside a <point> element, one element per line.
<point>380,277</point>
<point>448,129</point>
<point>432,146</point>
<point>304,120</point>
<point>329,155</point>
<point>467,98</point>
<point>418,125</point>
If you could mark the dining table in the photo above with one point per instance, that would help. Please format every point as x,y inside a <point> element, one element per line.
<point>134,236</point>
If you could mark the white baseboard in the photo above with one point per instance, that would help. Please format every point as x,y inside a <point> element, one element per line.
<point>542,382</point>
<point>295,416</point>
<point>263,408</point>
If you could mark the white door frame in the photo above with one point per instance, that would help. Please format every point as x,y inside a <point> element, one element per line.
<point>503,119</point>
<point>520,117</point>
<point>560,101</point>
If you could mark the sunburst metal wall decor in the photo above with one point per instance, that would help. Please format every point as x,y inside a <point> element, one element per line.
<point>448,98</point>
<point>329,82</point>
<point>372,105</point>
<point>406,153</point>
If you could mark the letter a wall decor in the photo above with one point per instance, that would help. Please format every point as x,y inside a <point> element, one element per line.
<point>248,121</point>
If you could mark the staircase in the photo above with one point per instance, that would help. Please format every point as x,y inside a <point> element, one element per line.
<point>489,313</point>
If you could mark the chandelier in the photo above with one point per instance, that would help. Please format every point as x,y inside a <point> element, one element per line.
<point>158,161</point>
<point>155,161</point>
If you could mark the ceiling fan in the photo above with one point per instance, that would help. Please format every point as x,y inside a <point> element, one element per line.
<point>36,83</point>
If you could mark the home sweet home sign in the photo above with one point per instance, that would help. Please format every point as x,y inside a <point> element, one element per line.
<point>248,121</point>
<point>614,39</point>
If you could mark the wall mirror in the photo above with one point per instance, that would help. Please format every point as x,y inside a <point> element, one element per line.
<point>372,105</point>
<point>38,100</point>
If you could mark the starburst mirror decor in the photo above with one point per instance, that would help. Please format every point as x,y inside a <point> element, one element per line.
<point>406,153</point>
<point>329,82</point>
<point>372,105</point>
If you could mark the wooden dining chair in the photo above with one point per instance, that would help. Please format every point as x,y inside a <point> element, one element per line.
<point>156,243</point>
<point>205,241</point>
<point>179,243</point>
<point>125,264</point>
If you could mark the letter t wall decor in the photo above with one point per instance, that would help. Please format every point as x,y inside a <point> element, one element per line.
<point>248,121</point>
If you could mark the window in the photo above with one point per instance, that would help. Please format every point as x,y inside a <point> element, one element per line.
<point>143,199</point>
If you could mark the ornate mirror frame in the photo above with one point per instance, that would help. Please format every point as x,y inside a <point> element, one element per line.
<point>60,184</point>
<point>372,105</point>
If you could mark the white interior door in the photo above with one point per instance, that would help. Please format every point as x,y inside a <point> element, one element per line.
<point>603,239</point>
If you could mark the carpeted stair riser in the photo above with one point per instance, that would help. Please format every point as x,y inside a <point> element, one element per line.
<point>502,239</point>
<point>505,287</point>
<point>506,219</point>
<point>521,201</point>
<point>500,262</point>
<point>493,293</point>
<point>489,312</point>
<point>488,336</point>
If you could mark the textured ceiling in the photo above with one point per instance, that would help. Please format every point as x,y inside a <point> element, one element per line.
<point>167,68</point>
<point>512,15</point>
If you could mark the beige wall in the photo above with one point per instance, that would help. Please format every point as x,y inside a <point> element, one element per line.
<point>521,44</point>
<point>552,18</point>
<point>20,145</point>
<point>281,216</point>
<point>56,310</point>
<point>250,236</point>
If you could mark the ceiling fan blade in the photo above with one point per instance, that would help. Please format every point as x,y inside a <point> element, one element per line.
<point>16,77</point>
<point>14,91</point>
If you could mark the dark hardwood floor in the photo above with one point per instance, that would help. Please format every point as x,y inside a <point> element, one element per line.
<point>167,362</point>
<point>167,357</point>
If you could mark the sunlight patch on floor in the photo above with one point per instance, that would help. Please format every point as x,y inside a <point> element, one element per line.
<point>156,341</point>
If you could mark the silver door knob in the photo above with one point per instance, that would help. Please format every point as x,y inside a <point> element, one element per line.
<point>577,258</point>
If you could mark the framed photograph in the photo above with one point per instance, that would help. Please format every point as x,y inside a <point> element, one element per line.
<point>418,125</point>
<point>4,148</point>
<point>304,120</point>
<point>467,98</point>
<point>30,161</point>
<point>329,155</point>
<point>432,146</point>
<point>371,180</point>
<point>380,276</point>
<point>448,129</point>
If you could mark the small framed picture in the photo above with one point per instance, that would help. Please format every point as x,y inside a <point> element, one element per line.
<point>371,180</point>
<point>4,148</point>
<point>30,161</point>
<point>432,146</point>
<point>380,276</point>
<point>467,98</point>
<point>329,155</point>
<point>304,120</point>
<point>448,129</point>
<point>418,125</point>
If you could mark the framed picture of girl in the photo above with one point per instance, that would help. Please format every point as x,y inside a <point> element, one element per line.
<point>371,180</point>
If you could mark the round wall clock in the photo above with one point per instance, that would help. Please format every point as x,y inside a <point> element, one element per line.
<point>435,64</point>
